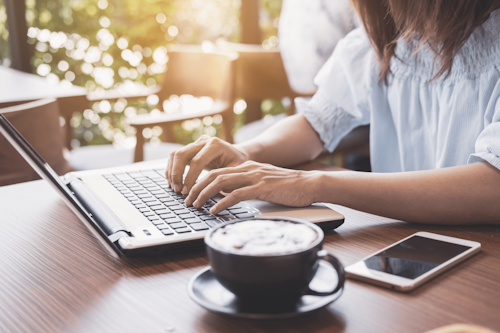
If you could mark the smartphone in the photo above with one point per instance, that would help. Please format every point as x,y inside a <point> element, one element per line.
<point>411,262</point>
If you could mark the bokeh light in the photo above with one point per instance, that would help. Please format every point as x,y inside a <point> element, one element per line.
<point>103,44</point>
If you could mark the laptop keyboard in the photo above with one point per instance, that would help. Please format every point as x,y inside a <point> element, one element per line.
<point>149,192</point>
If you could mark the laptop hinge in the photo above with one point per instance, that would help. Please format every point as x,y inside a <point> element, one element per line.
<point>117,235</point>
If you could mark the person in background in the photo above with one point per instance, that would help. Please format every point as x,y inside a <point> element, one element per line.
<point>308,33</point>
<point>424,75</point>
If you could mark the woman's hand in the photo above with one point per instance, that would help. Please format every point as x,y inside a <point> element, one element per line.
<point>206,152</point>
<point>252,180</point>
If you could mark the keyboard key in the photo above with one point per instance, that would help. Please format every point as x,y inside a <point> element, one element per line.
<point>182,211</point>
<point>167,232</point>
<point>169,215</point>
<point>171,203</point>
<point>144,196</point>
<point>193,220</point>
<point>141,205</point>
<point>157,207</point>
<point>141,192</point>
<point>153,218</point>
<point>173,220</point>
<point>148,199</point>
<point>143,210</point>
<point>228,218</point>
<point>199,226</point>
<point>162,226</point>
<point>178,225</point>
<point>162,211</point>
<point>211,223</point>
<point>205,218</point>
<point>130,195</point>
<point>148,214</point>
<point>242,216</point>
<point>122,176</point>
<point>200,213</point>
<point>238,211</point>
<point>186,216</point>
<point>134,188</point>
<point>176,207</point>
<point>135,174</point>
<point>162,196</point>
<point>156,192</point>
<point>136,202</point>
<point>166,198</point>
<point>223,213</point>
<point>153,203</point>
<point>150,185</point>
<point>157,222</point>
<point>234,207</point>
<point>182,230</point>
<point>149,173</point>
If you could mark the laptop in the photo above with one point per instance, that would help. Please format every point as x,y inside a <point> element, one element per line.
<point>133,212</point>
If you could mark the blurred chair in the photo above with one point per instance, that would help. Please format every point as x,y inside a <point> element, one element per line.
<point>190,71</point>
<point>38,122</point>
<point>194,72</point>
<point>259,75</point>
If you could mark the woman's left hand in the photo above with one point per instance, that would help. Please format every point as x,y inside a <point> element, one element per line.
<point>252,180</point>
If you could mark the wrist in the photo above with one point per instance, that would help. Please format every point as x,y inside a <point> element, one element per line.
<point>249,151</point>
<point>327,186</point>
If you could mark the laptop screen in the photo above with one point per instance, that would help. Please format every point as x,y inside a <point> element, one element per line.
<point>47,173</point>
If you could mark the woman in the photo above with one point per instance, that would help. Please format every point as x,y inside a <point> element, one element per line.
<point>424,74</point>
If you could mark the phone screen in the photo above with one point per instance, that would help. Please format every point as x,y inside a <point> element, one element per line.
<point>414,256</point>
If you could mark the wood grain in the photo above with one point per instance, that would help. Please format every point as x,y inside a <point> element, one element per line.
<point>55,277</point>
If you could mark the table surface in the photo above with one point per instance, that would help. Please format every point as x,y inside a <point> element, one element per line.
<point>17,86</point>
<point>55,277</point>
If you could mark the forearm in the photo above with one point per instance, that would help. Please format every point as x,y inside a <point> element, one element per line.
<point>467,194</point>
<point>290,142</point>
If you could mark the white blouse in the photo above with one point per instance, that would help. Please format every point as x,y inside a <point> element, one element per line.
<point>414,124</point>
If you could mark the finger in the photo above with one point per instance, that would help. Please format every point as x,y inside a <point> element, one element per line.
<point>242,194</point>
<point>167,171</point>
<point>180,160</point>
<point>226,183</point>
<point>204,182</point>
<point>204,157</point>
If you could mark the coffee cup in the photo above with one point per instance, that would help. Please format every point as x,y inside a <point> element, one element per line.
<point>269,258</point>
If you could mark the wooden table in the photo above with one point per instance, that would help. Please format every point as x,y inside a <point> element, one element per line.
<point>55,277</point>
<point>17,87</point>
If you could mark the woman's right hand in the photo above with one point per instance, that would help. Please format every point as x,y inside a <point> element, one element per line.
<point>206,152</point>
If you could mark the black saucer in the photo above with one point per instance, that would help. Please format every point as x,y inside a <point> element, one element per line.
<point>205,290</point>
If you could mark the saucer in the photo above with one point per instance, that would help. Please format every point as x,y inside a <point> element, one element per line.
<point>206,291</point>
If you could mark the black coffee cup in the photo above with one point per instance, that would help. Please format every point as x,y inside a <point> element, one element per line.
<point>279,276</point>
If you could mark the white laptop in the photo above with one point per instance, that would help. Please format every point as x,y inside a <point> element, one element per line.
<point>132,211</point>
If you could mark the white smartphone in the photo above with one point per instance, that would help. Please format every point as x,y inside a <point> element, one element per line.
<point>409,263</point>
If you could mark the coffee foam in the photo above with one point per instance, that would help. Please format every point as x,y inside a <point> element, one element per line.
<point>263,237</point>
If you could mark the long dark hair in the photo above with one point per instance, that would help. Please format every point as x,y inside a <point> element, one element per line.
<point>444,25</point>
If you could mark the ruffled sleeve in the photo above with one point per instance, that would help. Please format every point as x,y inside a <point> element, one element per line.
<point>487,145</point>
<point>346,85</point>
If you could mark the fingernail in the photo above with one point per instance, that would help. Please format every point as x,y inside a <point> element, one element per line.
<point>184,190</point>
<point>176,188</point>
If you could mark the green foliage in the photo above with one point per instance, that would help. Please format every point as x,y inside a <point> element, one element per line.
<point>121,44</point>
<point>4,36</point>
